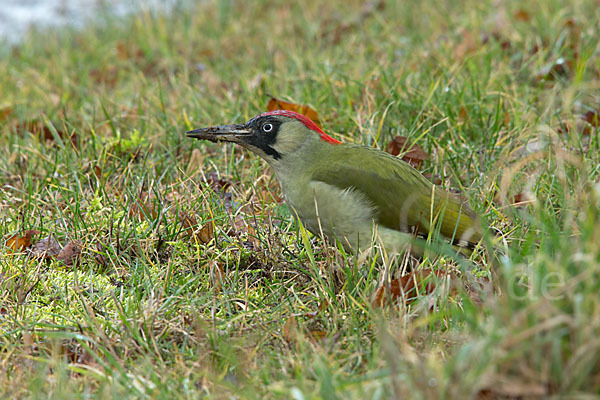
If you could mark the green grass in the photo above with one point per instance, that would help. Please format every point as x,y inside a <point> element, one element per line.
<point>145,311</point>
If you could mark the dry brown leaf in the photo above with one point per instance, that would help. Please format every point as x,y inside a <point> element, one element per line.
<point>5,112</point>
<point>188,223</point>
<point>413,155</point>
<point>46,248</point>
<point>408,287</point>
<point>253,237</point>
<point>69,255</point>
<point>207,233</point>
<point>506,119</point>
<point>97,172</point>
<point>498,37</point>
<point>561,68</point>
<point>239,224</point>
<point>106,75</point>
<point>522,199</point>
<point>592,118</point>
<point>290,329</point>
<point>278,104</point>
<point>469,44</point>
<point>435,179</point>
<point>75,353</point>
<point>582,126</point>
<point>317,336</point>
<point>463,114</point>
<point>100,254</point>
<point>20,243</point>
<point>522,15</point>
<point>217,184</point>
<point>125,52</point>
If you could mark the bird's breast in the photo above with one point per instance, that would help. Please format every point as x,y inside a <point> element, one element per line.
<point>345,215</point>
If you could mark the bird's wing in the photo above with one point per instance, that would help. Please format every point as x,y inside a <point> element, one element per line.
<point>402,196</point>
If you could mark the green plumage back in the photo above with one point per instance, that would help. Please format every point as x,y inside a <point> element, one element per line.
<point>401,196</point>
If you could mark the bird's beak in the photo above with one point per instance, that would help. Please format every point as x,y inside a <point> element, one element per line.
<point>227,133</point>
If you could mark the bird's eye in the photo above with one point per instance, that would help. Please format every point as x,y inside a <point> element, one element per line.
<point>267,128</point>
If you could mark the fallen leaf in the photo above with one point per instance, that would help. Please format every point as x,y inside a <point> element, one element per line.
<point>522,15</point>
<point>504,43</point>
<point>506,119</point>
<point>592,118</point>
<point>69,255</point>
<point>561,68</point>
<point>216,183</point>
<point>5,112</point>
<point>573,41</point>
<point>278,104</point>
<point>85,358</point>
<point>46,248</point>
<point>253,237</point>
<point>125,52</point>
<point>435,179</point>
<point>97,172</point>
<point>188,223</point>
<point>228,202</point>
<point>522,199</point>
<point>206,233</point>
<point>469,43</point>
<point>324,304</point>
<point>408,287</point>
<point>462,112</point>
<point>290,332</point>
<point>239,224</point>
<point>100,254</point>
<point>20,243</point>
<point>413,155</point>
<point>317,336</point>
<point>106,75</point>
<point>290,329</point>
<point>582,126</point>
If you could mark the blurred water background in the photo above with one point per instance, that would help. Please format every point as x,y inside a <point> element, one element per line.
<point>19,16</point>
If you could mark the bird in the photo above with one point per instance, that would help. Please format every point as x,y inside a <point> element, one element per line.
<point>355,194</point>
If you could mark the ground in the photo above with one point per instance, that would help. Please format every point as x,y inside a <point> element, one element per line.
<point>164,267</point>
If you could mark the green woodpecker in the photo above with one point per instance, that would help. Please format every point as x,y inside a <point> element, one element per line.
<point>349,192</point>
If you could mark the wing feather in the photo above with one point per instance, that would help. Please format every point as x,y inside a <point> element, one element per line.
<point>402,197</point>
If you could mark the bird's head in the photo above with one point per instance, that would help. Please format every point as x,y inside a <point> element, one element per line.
<point>271,135</point>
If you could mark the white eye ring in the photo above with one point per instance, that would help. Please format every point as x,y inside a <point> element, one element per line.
<point>267,128</point>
